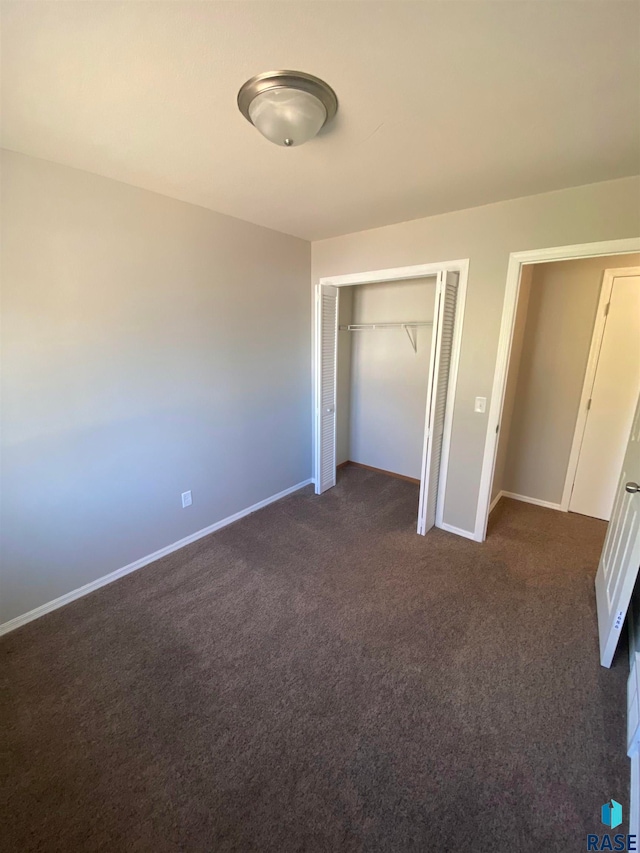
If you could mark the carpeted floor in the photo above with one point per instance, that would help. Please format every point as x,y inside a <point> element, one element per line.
<point>317,677</point>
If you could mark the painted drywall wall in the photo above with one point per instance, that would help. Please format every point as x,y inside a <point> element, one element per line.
<point>486,235</point>
<point>389,379</point>
<point>343,375</point>
<point>149,347</point>
<point>512,378</point>
<point>561,314</point>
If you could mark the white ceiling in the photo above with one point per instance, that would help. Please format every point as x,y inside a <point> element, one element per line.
<point>443,105</point>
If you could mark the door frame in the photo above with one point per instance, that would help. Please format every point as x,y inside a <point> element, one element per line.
<point>381,277</point>
<point>590,377</point>
<point>512,290</point>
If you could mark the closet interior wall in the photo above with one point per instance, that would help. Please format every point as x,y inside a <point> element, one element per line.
<point>381,380</point>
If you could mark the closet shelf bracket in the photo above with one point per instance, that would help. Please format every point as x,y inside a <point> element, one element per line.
<point>412,334</point>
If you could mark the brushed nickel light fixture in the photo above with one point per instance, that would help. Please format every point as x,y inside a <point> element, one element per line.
<point>287,107</point>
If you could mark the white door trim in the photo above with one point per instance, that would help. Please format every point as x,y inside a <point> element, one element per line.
<point>590,377</point>
<point>403,274</point>
<point>514,270</point>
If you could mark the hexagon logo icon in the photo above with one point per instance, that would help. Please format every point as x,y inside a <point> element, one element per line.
<point>612,814</point>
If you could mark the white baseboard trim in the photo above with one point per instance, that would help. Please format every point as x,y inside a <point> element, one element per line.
<point>468,534</point>
<point>527,500</point>
<point>495,501</point>
<point>68,597</point>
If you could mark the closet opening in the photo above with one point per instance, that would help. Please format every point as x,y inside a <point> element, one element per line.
<point>386,356</point>
<point>384,351</point>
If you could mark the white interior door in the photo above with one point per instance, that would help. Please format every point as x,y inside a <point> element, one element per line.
<point>612,399</point>
<point>327,357</point>
<point>620,558</point>
<point>441,345</point>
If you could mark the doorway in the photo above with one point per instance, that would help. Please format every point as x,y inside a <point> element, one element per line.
<point>516,274</point>
<point>572,384</point>
<point>441,373</point>
<point>566,441</point>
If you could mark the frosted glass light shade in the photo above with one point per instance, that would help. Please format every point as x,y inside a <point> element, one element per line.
<point>287,116</point>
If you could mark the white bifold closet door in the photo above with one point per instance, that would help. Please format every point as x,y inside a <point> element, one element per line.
<point>327,356</point>
<point>437,390</point>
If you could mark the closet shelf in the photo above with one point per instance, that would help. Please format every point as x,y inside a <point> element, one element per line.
<point>408,327</point>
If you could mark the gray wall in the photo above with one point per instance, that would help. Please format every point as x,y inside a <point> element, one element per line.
<point>560,317</point>
<point>486,235</point>
<point>388,379</point>
<point>149,347</point>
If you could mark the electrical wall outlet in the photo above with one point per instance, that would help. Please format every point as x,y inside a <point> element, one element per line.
<point>481,405</point>
<point>186,499</point>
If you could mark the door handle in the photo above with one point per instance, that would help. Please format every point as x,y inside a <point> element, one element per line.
<point>632,488</point>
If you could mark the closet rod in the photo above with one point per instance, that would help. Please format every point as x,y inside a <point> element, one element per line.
<point>359,327</point>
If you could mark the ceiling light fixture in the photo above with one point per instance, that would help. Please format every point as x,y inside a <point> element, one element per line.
<point>287,107</point>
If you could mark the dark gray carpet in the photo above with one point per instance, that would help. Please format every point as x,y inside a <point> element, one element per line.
<point>317,677</point>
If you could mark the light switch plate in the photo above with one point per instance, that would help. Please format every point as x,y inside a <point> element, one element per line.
<point>481,405</point>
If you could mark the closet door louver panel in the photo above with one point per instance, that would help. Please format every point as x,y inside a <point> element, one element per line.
<point>442,344</point>
<point>327,335</point>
